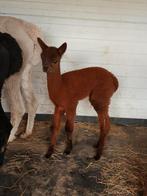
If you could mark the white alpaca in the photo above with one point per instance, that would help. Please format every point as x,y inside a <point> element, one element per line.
<point>21,97</point>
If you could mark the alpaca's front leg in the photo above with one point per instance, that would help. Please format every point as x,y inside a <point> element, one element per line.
<point>70,115</point>
<point>55,130</point>
<point>16,118</point>
<point>69,129</point>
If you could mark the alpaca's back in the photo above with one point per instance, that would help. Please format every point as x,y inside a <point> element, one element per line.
<point>80,83</point>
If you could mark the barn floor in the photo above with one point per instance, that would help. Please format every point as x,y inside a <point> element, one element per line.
<point>121,171</point>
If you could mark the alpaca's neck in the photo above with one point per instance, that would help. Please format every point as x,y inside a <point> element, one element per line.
<point>54,81</point>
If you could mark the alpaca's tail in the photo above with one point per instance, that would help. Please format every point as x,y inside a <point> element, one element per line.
<point>115,81</point>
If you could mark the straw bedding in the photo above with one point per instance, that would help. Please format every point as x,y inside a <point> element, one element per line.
<point>122,170</point>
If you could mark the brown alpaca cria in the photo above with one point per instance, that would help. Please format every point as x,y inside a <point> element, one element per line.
<point>67,89</point>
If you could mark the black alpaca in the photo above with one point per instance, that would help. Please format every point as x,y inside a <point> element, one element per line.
<point>10,63</point>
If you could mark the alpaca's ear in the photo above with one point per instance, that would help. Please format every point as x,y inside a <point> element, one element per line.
<point>62,48</point>
<point>42,44</point>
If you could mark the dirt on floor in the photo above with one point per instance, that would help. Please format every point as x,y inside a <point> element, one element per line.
<point>121,171</point>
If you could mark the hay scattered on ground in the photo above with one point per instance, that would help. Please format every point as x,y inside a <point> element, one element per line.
<point>123,174</point>
<point>122,170</point>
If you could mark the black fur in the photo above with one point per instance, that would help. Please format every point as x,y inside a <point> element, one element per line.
<point>10,63</point>
<point>14,53</point>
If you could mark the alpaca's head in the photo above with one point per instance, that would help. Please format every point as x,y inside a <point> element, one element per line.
<point>51,56</point>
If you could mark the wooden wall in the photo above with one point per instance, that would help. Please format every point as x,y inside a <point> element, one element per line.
<point>107,33</point>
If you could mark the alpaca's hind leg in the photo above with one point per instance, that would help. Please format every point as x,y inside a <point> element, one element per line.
<point>104,123</point>
<point>101,107</point>
<point>70,114</point>
<point>15,102</point>
<point>31,102</point>
<point>55,130</point>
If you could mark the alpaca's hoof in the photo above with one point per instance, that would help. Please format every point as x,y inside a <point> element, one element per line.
<point>25,135</point>
<point>49,152</point>
<point>11,138</point>
<point>68,148</point>
<point>97,157</point>
<point>67,151</point>
<point>47,155</point>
